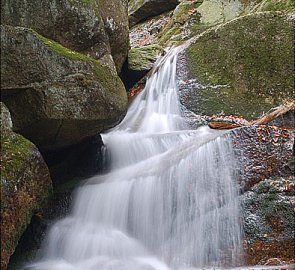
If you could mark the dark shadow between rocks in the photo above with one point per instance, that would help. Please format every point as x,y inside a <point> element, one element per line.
<point>81,160</point>
<point>131,77</point>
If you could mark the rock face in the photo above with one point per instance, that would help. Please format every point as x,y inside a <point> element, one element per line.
<point>243,67</point>
<point>140,10</point>
<point>57,97</point>
<point>269,221</point>
<point>115,16</point>
<point>263,152</point>
<point>143,58</point>
<point>140,61</point>
<point>267,181</point>
<point>25,185</point>
<point>97,28</point>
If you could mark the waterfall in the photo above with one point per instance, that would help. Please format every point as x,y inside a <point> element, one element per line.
<point>170,200</point>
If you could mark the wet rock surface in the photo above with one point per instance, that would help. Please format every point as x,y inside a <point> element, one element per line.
<point>266,161</point>
<point>25,185</point>
<point>269,221</point>
<point>286,121</point>
<point>57,97</point>
<point>262,152</point>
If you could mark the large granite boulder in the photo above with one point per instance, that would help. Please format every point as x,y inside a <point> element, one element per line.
<point>57,97</point>
<point>140,10</point>
<point>25,185</point>
<point>243,67</point>
<point>266,161</point>
<point>96,28</point>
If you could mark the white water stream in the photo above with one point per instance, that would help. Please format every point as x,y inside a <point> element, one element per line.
<point>169,202</point>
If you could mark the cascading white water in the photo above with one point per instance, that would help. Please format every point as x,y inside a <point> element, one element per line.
<point>169,202</point>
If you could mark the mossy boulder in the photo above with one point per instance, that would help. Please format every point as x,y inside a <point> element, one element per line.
<point>243,67</point>
<point>195,16</point>
<point>143,58</point>
<point>140,10</point>
<point>57,97</point>
<point>25,185</point>
<point>96,28</point>
<point>192,17</point>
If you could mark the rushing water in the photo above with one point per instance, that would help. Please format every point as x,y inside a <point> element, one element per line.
<point>169,202</point>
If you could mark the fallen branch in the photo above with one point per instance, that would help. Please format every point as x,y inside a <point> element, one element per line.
<point>223,125</point>
<point>275,114</point>
<point>267,118</point>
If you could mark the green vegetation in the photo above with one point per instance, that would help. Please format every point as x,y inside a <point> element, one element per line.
<point>104,74</point>
<point>14,153</point>
<point>61,50</point>
<point>276,5</point>
<point>246,56</point>
<point>186,11</point>
<point>142,58</point>
<point>166,35</point>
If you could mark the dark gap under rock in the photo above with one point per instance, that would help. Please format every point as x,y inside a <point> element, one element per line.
<point>131,77</point>
<point>80,160</point>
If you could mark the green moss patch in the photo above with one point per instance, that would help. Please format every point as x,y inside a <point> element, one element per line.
<point>276,5</point>
<point>14,152</point>
<point>61,50</point>
<point>253,56</point>
<point>103,73</point>
<point>143,58</point>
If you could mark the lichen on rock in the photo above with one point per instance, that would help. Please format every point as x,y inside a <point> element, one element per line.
<point>25,185</point>
<point>244,67</point>
<point>143,58</point>
<point>59,96</point>
<point>96,28</point>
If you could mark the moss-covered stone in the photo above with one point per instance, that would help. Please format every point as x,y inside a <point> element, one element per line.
<point>275,5</point>
<point>184,10</point>
<point>25,186</point>
<point>192,17</point>
<point>143,58</point>
<point>92,27</point>
<point>63,96</point>
<point>167,36</point>
<point>245,66</point>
